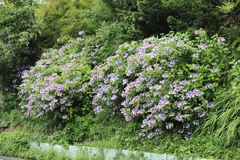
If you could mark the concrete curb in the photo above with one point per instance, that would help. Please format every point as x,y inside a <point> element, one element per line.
<point>108,153</point>
<point>10,158</point>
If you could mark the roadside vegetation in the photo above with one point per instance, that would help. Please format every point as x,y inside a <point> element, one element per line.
<point>156,76</point>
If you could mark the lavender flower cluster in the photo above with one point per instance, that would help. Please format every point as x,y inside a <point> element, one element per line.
<point>55,82</point>
<point>167,81</point>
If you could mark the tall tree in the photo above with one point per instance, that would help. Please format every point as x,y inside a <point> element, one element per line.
<point>19,44</point>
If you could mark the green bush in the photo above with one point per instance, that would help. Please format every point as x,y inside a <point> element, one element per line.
<point>224,120</point>
<point>19,41</point>
<point>81,128</point>
<point>74,132</point>
<point>65,17</point>
<point>206,147</point>
<point>153,17</point>
<point>16,143</point>
<point>55,87</point>
<point>167,83</point>
<point>10,112</point>
<point>108,37</point>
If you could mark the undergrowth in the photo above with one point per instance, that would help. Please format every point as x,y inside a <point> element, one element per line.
<point>15,143</point>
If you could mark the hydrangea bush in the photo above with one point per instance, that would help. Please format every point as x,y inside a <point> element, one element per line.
<point>56,84</point>
<point>169,83</point>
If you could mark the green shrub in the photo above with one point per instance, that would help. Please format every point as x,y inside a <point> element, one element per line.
<point>19,42</point>
<point>65,17</point>
<point>55,87</point>
<point>16,143</point>
<point>81,128</point>
<point>167,83</point>
<point>224,120</point>
<point>10,112</point>
<point>108,37</point>
<point>75,131</point>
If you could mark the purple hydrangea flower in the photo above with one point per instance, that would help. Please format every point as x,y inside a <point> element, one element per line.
<point>97,110</point>
<point>201,114</point>
<point>196,67</point>
<point>197,32</point>
<point>189,131</point>
<point>181,130</point>
<point>113,97</point>
<point>195,55</point>
<point>188,138</point>
<point>80,33</point>
<point>193,75</point>
<point>208,86</point>
<point>125,55</point>
<point>62,101</point>
<point>214,64</point>
<point>165,75</point>
<point>172,63</point>
<point>169,125</point>
<point>210,104</point>
<point>171,114</point>
<point>195,108</point>
<point>221,39</point>
<point>158,131</point>
<point>202,46</point>
<point>196,122</point>
<point>151,135</point>
<point>128,118</point>
<point>142,133</point>
<point>214,70</point>
<point>161,116</point>
<point>104,98</point>
<point>179,117</point>
<point>186,125</point>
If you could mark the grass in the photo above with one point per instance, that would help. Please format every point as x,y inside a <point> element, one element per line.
<point>15,142</point>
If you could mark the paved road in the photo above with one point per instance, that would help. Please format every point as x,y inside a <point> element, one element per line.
<point>9,158</point>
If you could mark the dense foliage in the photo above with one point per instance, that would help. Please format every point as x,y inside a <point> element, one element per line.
<point>144,66</point>
<point>224,120</point>
<point>18,40</point>
<point>169,82</point>
<point>63,17</point>
<point>160,16</point>
<point>55,85</point>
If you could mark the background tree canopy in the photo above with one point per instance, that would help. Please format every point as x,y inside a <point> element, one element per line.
<point>63,17</point>
<point>19,39</point>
